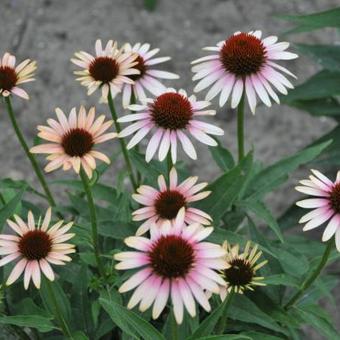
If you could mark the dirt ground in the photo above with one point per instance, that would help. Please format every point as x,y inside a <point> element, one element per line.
<point>51,31</point>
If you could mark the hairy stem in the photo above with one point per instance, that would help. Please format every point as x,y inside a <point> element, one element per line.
<point>240,128</point>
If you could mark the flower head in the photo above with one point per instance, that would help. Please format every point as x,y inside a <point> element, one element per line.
<point>173,115</point>
<point>244,63</point>
<point>168,202</point>
<point>174,263</point>
<point>72,140</point>
<point>240,273</point>
<point>148,77</point>
<point>110,69</point>
<point>35,247</point>
<point>11,76</point>
<point>325,205</point>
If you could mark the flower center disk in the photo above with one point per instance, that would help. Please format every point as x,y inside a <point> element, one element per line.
<point>239,274</point>
<point>140,66</point>
<point>335,198</point>
<point>35,245</point>
<point>243,54</point>
<point>172,256</point>
<point>77,142</point>
<point>168,203</point>
<point>8,78</point>
<point>171,111</point>
<point>104,69</point>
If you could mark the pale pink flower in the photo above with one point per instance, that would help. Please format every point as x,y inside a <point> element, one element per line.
<point>11,76</point>
<point>108,70</point>
<point>72,140</point>
<point>174,264</point>
<point>35,247</point>
<point>148,77</point>
<point>173,115</point>
<point>244,63</point>
<point>167,202</point>
<point>325,205</point>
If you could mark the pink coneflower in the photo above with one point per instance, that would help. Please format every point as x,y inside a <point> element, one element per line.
<point>244,62</point>
<point>173,114</point>
<point>168,202</point>
<point>73,139</point>
<point>11,76</point>
<point>326,205</point>
<point>148,77</point>
<point>35,247</point>
<point>109,69</point>
<point>175,263</point>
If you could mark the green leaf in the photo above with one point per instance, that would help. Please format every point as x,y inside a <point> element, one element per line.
<point>8,210</point>
<point>316,317</point>
<point>260,336</point>
<point>326,55</point>
<point>281,279</point>
<point>245,310</point>
<point>226,337</point>
<point>149,170</point>
<point>81,304</point>
<point>208,324</point>
<point>261,211</point>
<point>310,22</point>
<point>42,324</point>
<point>223,157</point>
<point>224,191</point>
<point>117,229</point>
<point>323,84</point>
<point>63,300</point>
<point>130,322</point>
<point>318,107</point>
<point>264,180</point>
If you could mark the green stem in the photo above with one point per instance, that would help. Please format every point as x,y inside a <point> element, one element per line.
<point>62,323</point>
<point>240,128</point>
<point>223,320</point>
<point>30,156</point>
<point>139,175</point>
<point>122,141</point>
<point>93,217</point>
<point>169,162</point>
<point>308,282</point>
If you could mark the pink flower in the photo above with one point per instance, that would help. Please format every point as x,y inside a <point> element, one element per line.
<point>72,140</point>
<point>35,247</point>
<point>173,264</point>
<point>108,70</point>
<point>148,77</point>
<point>168,202</point>
<point>244,62</point>
<point>173,115</point>
<point>325,205</point>
<point>11,76</point>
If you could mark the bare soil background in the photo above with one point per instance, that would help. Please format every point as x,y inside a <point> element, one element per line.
<point>50,31</point>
